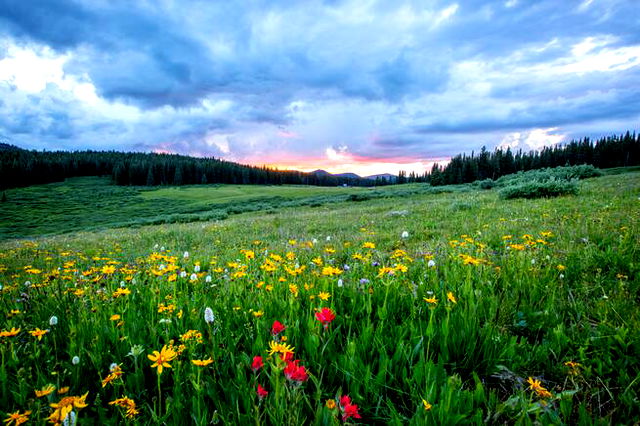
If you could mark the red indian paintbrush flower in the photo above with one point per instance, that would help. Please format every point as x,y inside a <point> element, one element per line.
<point>257,363</point>
<point>325,316</point>
<point>262,392</point>
<point>277,328</point>
<point>295,372</point>
<point>348,409</point>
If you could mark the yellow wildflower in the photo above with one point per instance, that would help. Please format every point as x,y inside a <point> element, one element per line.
<point>426,405</point>
<point>161,359</point>
<point>45,390</point>
<point>38,333</point>
<point>323,295</point>
<point>451,297</point>
<point>201,362</point>
<point>17,418</point>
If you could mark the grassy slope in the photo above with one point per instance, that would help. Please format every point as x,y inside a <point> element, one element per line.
<point>524,317</point>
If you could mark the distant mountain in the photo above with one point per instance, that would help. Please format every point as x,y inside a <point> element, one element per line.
<point>320,172</point>
<point>387,176</point>
<point>348,175</point>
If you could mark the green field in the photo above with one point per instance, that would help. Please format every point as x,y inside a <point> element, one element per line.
<point>485,311</point>
<point>93,203</point>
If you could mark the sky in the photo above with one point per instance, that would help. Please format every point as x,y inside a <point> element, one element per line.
<point>345,86</point>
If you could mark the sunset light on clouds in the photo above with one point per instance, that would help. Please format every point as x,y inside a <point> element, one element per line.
<point>346,86</point>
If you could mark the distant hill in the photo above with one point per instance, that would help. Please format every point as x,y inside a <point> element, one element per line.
<point>348,175</point>
<point>9,147</point>
<point>386,176</point>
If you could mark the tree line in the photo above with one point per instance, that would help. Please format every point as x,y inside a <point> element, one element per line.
<point>19,168</point>
<point>606,152</point>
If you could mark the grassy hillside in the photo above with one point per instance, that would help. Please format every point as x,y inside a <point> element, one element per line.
<point>92,203</point>
<point>451,308</point>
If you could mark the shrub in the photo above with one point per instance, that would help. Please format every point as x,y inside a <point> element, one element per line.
<point>540,189</point>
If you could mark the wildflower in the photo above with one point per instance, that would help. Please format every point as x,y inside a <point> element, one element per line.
<point>10,333</point>
<point>183,274</point>
<point>185,255</point>
<point>121,292</point>
<point>257,363</point>
<point>17,418</point>
<point>537,387</point>
<point>574,367</point>
<point>65,407</point>
<point>330,271</point>
<point>208,315</point>
<point>330,404</point>
<point>38,333</point>
<point>207,279</point>
<point>325,316</point>
<point>340,283</point>
<point>258,314</point>
<point>277,328</point>
<point>108,269</point>
<point>45,391</point>
<point>431,300</point>
<point>431,263</point>
<point>161,359</point>
<point>196,268</point>
<point>426,405</point>
<point>75,360</point>
<point>201,362</point>
<point>368,245</point>
<point>63,390</point>
<point>53,320</point>
<point>348,409</point>
<point>295,372</point>
<point>323,295</point>
<point>404,234</point>
<point>261,392</point>
<point>282,348</point>
<point>561,267</point>
<point>114,373</point>
<point>128,404</point>
<point>451,297</point>
<point>114,317</point>
<point>136,351</point>
<point>193,277</point>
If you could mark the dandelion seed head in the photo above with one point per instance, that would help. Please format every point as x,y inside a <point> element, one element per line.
<point>207,279</point>
<point>340,284</point>
<point>193,277</point>
<point>196,268</point>
<point>186,255</point>
<point>431,263</point>
<point>75,360</point>
<point>183,274</point>
<point>404,234</point>
<point>53,320</point>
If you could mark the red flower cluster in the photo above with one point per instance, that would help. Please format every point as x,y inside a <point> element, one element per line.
<point>295,372</point>
<point>325,316</point>
<point>348,409</point>
<point>261,392</point>
<point>257,363</point>
<point>277,328</point>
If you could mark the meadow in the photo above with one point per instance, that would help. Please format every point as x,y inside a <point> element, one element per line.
<point>399,305</point>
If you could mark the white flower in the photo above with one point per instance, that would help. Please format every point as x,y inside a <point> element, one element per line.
<point>27,283</point>
<point>75,360</point>
<point>207,279</point>
<point>208,315</point>
<point>155,247</point>
<point>133,281</point>
<point>161,267</point>
<point>193,277</point>
<point>431,263</point>
<point>196,268</point>
<point>122,284</point>
<point>186,255</point>
<point>165,321</point>
<point>183,274</point>
<point>533,261</point>
<point>328,237</point>
<point>162,248</point>
<point>340,282</point>
<point>561,276</point>
<point>404,234</point>
<point>314,241</point>
<point>70,419</point>
<point>53,320</point>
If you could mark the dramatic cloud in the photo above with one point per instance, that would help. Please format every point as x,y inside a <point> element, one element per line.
<point>364,86</point>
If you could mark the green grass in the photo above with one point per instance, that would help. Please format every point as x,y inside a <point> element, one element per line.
<point>93,203</point>
<point>537,283</point>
